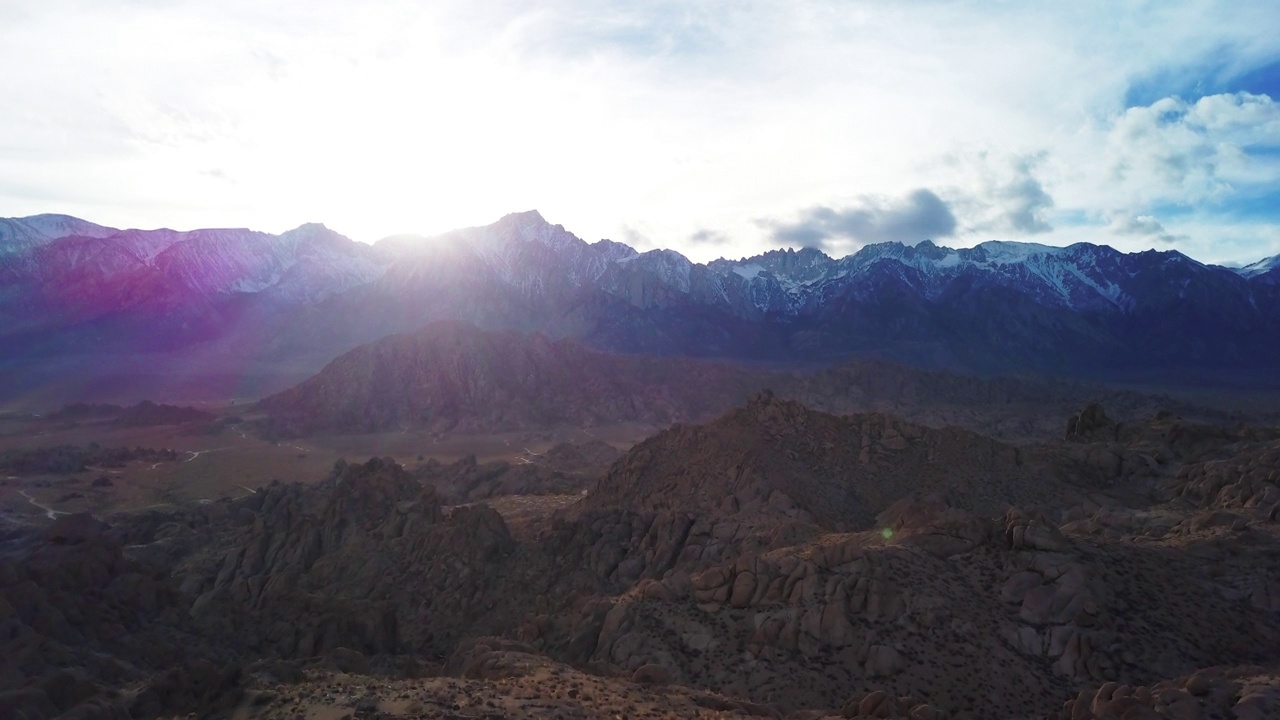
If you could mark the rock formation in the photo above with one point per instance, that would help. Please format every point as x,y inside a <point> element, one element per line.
<point>776,562</point>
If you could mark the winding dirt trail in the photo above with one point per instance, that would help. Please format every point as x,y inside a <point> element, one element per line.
<point>197,453</point>
<point>48,511</point>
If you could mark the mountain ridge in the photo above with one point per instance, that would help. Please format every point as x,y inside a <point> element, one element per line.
<point>291,302</point>
<point>45,224</point>
<point>454,377</point>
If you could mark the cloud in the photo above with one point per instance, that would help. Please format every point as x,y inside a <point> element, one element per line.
<point>1212,163</point>
<point>637,239</point>
<point>1144,226</point>
<point>703,236</point>
<point>1000,193</point>
<point>667,117</point>
<point>1202,152</point>
<point>1023,202</point>
<point>918,216</point>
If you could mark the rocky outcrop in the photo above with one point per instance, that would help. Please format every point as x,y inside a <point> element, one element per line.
<point>779,459</point>
<point>79,619</point>
<point>562,470</point>
<point>881,704</point>
<point>1092,425</point>
<point>368,562</point>
<point>1061,603</point>
<point>1242,693</point>
<point>1249,479</point>
<point>933,525</point>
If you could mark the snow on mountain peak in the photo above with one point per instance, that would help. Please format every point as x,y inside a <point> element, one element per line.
<point>308,230</point>
<point>522,250</point>
<point>17,234</point>
<point>612,251</point>
<point>525,217</point>
<point>1262,266</point>
<point>1068,276</point>
<point>1004,252</point>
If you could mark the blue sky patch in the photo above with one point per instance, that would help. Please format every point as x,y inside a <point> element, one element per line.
<point>1211,76</point>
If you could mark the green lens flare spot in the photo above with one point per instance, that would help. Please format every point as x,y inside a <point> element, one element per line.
<point>886,533</point>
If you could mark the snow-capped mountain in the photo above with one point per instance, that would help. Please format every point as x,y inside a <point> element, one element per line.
<point>1267,269</point>
<point>999,305</point>
<point>305,264</point>
<point>1082,310</point>
<point>1082,277</point>
<point>19,234</point>
<point>97,272</point>
<point>525,253</point>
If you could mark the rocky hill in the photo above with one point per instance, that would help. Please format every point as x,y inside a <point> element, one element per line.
<point>143,414</point>
<point>836,472</point>
<point>455,377</point>
<point>777,562</point>
<point>1014,408</point>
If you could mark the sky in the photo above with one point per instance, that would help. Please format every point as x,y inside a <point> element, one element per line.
<point>718,129</point>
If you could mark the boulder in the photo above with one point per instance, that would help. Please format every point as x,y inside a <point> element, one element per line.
<point>882,661</point>
<point>651,674</point>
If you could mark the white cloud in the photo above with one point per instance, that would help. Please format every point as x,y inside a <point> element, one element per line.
<point>1175,151</point>
<point>684,120</point>
<point>1141,225</point>
<point>997,194</point>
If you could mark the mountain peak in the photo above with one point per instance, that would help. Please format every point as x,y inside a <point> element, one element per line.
<point>311,232</point>
<point>1007,251</point>
<point>527,217</point>
<point>1262,266</point>
<point>17,234</point>
<point>47,218</point>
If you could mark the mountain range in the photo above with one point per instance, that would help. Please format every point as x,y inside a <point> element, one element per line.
<point>90,310</point>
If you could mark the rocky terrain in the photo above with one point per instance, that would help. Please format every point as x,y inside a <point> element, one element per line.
<point>454,377</point>
<point>565,469</point>
<point>66,459</point>
<point>775,562</point>
<point>143,414</point>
